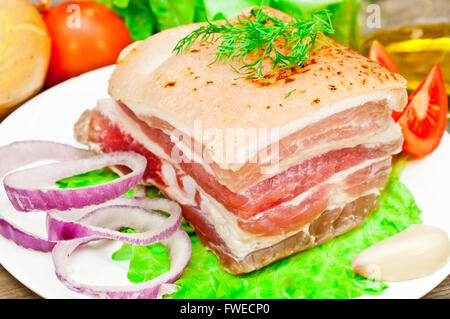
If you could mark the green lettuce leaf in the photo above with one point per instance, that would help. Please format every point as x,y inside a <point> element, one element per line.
<point>344,15</point>
<point>302,8</point>
<point>137,15</point>
<point>94,177</point>
<point>322,272</point>
<point>146,17</point>
<point>154,192</point>
<point>170,14</point>
<point>217,10</point>
<point>100,176</point>
<point>142,256</point>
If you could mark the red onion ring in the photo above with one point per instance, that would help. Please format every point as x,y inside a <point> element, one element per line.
<point>24,239</point>
<point>107,221</point>
<point>22,187</point>
<point>179,247</point>
<point>19,154</point>
<point>70,225</point>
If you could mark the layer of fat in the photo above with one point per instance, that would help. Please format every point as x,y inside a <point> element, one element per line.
<point>390,133</point>
<point>239,242</point>
<point>335,179</point>
<point>242,243</point>
<point>248,150</point>
<point>110,109</point>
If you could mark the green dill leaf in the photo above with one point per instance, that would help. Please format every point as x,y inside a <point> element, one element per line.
<point>252,41</point>
<point>289,93</point>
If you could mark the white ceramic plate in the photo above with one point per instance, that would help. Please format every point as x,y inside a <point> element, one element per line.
<point>51,116</point>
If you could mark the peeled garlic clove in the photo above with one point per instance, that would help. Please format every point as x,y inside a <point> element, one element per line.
<point>415,252</point>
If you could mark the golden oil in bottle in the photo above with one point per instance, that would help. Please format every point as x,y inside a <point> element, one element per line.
<point>415,50</point>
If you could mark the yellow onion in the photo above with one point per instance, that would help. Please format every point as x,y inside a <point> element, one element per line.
<point>24,53</point>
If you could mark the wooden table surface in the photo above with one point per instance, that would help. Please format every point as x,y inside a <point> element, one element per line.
<point>10,288</point>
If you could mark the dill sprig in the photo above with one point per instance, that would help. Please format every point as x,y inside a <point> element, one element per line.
<point>256,37</point>
<point>289,93</point>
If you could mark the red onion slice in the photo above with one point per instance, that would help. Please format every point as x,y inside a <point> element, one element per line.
<point>179,247</point>
<point>133,212</point>
<point>24,188</point>
<point>19,154</point>
<point>24,239</point>
<point>72,221</point>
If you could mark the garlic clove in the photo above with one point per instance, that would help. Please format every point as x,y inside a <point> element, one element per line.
<point>416,252</point>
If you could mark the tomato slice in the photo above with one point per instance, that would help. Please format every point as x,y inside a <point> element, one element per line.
<point>378,53</point>
<point>424,119</point>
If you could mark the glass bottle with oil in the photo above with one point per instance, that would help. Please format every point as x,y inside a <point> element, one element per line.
<point>415,32</point>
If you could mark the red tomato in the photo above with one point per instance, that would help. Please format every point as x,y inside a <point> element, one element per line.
<point>424,119</point>
<point>85,36</point>
<point>378,53</point>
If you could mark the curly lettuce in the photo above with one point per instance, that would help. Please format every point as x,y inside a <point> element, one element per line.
<point>146,17</point>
